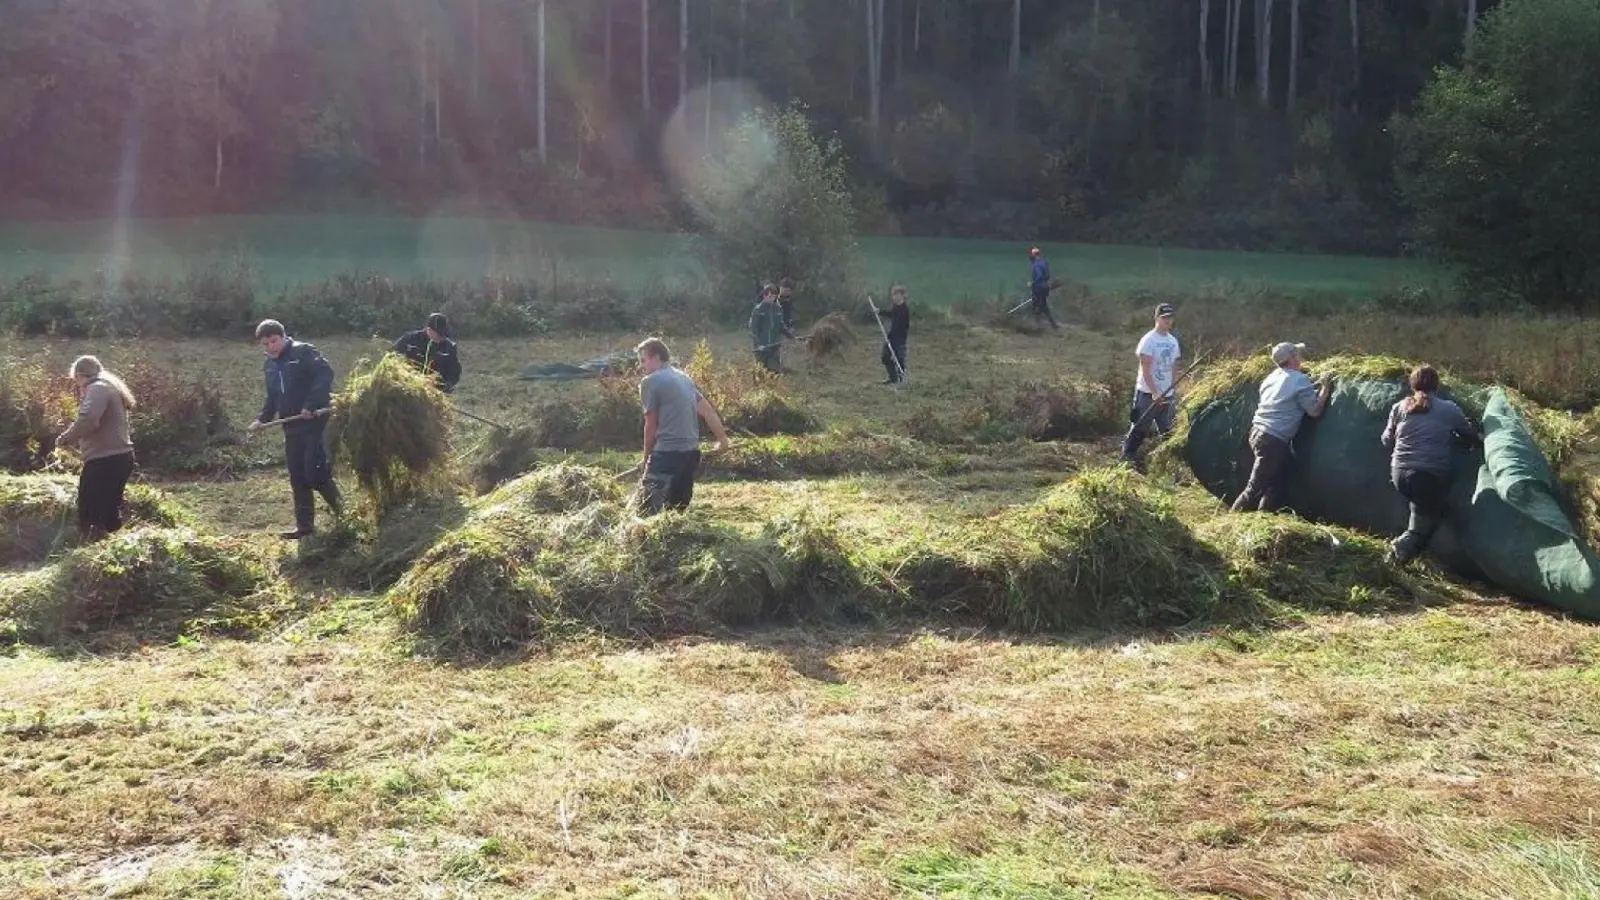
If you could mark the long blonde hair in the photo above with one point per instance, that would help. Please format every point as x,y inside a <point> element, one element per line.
<point>89,367</point>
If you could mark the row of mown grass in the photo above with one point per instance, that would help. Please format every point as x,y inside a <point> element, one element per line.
<point>557,553</point>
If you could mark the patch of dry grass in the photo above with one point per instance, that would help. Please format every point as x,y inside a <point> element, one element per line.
<point>1352,758</point>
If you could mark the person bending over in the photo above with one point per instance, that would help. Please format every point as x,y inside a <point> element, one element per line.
<point>104,441</point>
<point>1287,397</point>
<point>1421,431</point>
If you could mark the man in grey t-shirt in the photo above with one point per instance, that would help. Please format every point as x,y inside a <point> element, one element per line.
<point>672,409</point>
<point>1287,397</point>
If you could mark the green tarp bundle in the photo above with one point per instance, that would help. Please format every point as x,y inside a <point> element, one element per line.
<point>1505,525</point>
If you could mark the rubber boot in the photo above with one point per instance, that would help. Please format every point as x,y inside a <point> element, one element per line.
<point>305,512</point>
<point>330,493</point>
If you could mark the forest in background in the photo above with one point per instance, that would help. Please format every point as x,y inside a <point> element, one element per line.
<point>1205,123</point>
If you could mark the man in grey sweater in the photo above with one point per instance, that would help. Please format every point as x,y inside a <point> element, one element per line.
<point>673,406</point>
<point>1287,397</point>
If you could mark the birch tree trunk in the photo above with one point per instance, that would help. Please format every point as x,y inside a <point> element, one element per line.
<point>916,30</point>
<point>1355,52</point>
<point>1472,19</point>
<point>1294,52</point>
<point>738,61</point>
<point>544,83</point>
<point>1203,42</point>
<point>874,61</point>
<point>1016,38</point>
<point>607,42</point>
<point>644,53</point>
<point>422,109</point>
<point>1235,13</point>
<point>683,51</point>
<point>477,47</point>
<point>1264,50</point>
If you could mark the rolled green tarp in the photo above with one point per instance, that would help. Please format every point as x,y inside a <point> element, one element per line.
<point>1515,526</point>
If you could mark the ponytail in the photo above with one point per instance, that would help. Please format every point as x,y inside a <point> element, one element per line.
<point>1424,381</point>
<point>89,367</point>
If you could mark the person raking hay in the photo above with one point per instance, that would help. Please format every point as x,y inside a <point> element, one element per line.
<point>299,385</point>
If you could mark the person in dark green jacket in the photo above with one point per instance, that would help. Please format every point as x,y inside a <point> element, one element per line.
<point>767,328</point>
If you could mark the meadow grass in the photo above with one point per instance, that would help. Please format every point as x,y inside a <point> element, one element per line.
<point>291,249</point>
<point>1330,744</point>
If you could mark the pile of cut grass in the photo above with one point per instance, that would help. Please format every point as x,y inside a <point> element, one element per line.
<point>38,514</point>
<point>156,581</point>
<point>840,452</point>
<point>392,426</point>
<point>557,553</point>
<point>1278,565</point>
<point>1053,410</point>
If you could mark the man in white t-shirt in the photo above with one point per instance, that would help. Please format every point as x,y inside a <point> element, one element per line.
<point>1158,354</point>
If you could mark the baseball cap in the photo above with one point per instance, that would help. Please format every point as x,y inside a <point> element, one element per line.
<point>1285,351</point>
<point>1166,310</point>
<point>439,323</point>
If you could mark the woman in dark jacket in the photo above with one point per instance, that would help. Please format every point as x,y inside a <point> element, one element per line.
<point>1421,432</point>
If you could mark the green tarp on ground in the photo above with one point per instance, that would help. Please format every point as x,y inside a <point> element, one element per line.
<point>1506,524</point>
<point>615,364</point>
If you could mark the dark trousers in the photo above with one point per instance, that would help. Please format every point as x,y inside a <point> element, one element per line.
<point>668,481</point>
<point>1163,417</point>
<point>893,351</point>
<point>769,359</point>
<point>1041,305</point>
<point>100,488</point>
<point>309,471</point>
<point>1427,492</point>
<point>1268,475</point>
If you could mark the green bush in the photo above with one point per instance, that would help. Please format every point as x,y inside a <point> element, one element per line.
<point>776,202</point>
<point>1498,161</point>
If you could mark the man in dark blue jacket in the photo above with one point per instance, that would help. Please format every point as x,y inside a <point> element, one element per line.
<point>1039,281</point>
<point>432,351</point>
<point>299,385</point>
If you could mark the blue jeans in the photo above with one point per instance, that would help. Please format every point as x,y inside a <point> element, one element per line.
<point>1162,418</point>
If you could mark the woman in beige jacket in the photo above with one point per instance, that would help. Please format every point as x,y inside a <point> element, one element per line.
<point>103,440</point>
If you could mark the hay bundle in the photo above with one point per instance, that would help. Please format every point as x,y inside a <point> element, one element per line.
<point>393,427</point>
<point>38,514</point>
<point>829,338</point>
<point>146,575</point>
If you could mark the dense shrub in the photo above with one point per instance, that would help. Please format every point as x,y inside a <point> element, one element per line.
<point>180,424</point>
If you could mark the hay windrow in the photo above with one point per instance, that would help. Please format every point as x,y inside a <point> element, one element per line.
<point>38,514</point>
<point>556,554</point>
<point>149,578</point>
<point>392,426</point>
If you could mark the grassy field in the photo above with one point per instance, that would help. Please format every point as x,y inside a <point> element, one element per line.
<point>1439,750</point>
<point>294,249</point>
